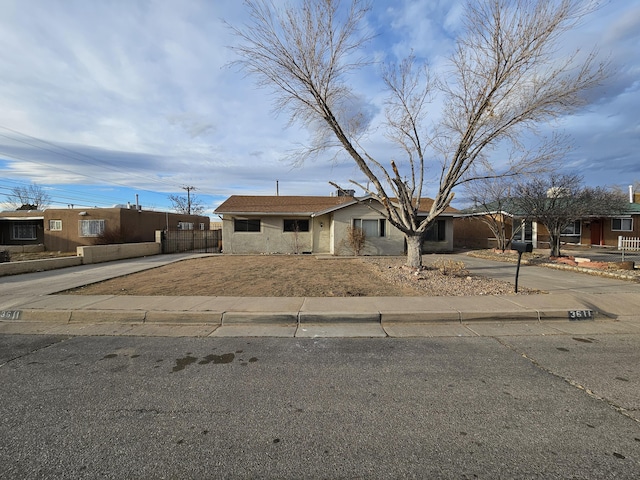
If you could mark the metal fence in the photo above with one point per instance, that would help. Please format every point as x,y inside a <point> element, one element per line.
<point>199,241</point>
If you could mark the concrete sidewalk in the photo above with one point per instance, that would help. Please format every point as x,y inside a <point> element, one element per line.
<point>28,304</point>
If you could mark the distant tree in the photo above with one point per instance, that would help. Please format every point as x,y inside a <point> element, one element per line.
<point>492,199</point>
<point>558,201</point>
<point>189,204</point>
<point>506,76</point>
<point>31,197</point>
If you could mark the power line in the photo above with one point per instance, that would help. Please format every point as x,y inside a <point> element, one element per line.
<point>81,157</point>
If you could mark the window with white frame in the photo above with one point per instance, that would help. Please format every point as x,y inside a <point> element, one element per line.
<point>55,225</point>
<point>185,225</point>
<point>24,231</point>
<point>90,228</point>
<point>572,229</point>
<point>371,227</point>
<point>622,224</point>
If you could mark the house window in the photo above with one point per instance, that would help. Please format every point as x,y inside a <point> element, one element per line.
<point>572,228</point>
<point>436,231</point>
<point>21,231</point>
<point>55,225</point>
<point>622,224</point>
<point>185,226</point>
<point>202,226</point>
<point>301,225</point>
<point>371,228</point>
<point>90,228</point>
<point>246,224</point>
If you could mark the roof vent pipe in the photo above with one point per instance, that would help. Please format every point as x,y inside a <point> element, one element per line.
<point>630,193</point>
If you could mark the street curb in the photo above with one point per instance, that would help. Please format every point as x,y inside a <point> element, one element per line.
<point>272,318</point>
<point>107,316</point>
<point>89,316</point>
<point>183,318</point>
<point>314,318</point>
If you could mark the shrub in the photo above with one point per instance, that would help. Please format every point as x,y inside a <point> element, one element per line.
<point>450,267</point>
<point>355,239</point>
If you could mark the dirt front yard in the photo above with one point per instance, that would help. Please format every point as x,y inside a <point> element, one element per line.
<point>300,276</point>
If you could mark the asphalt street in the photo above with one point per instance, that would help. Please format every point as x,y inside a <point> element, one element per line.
<point>560,406</point>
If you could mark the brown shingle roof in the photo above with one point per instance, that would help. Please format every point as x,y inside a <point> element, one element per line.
<point>279,204</point>
<point>302,205</point>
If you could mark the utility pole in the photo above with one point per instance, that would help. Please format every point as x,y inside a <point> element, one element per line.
<point>188,189</point>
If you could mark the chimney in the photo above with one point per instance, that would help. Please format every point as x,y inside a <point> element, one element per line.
<point>630,193</point>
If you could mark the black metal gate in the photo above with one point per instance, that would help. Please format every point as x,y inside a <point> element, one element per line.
<point>199,241</point>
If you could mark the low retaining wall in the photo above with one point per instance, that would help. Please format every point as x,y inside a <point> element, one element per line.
<point>85,256</point>
<point>108,253</point>
<point>23,248</point>
<point>29,266</point>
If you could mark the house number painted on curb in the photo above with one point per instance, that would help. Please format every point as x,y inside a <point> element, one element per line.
<point>10,314</point>
<point>580,314</point>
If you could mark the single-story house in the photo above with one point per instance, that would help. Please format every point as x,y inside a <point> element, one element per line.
<point>471,231</point>
<point>64,229</point>
<point>319,225</point>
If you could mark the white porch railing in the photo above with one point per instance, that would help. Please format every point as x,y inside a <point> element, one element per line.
<point>628,244</point>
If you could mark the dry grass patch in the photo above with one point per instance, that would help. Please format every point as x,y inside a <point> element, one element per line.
<point>296,276</point>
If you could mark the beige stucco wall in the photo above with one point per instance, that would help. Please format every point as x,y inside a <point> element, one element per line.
<point>391,244</point>
<point>108,253</point>
<point>444,246</point>
<point>270,239</point>
<point>327,235</point>
<point>15,268</point>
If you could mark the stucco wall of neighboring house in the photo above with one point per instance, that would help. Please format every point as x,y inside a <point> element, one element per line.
<point>141,226</point>
<point>132,225</point>
<point>391,244</point>
<point>67,237</point>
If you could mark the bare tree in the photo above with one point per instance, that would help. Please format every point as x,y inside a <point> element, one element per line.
<point>356,239</point>
<point>492,200</point>
<point>31,197</point>
<point>190,205</point>
<point>558,201</point>
<point>505,80</point>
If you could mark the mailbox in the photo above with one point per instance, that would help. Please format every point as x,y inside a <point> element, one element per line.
<point>522,247</point>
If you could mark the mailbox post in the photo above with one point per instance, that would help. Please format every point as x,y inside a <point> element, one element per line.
<point>521,247</point>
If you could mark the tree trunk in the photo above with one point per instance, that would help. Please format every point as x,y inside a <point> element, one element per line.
<point>554,241</point>
<point>414,251</point>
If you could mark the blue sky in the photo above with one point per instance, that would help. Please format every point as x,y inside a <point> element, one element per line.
<point>102,100</point>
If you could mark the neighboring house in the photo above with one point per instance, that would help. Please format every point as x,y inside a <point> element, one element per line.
<point>66,228</point>
<point>471,231</point>
<point>315,224</point>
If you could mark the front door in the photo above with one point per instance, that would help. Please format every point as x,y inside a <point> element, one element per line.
<point>596,232</point>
